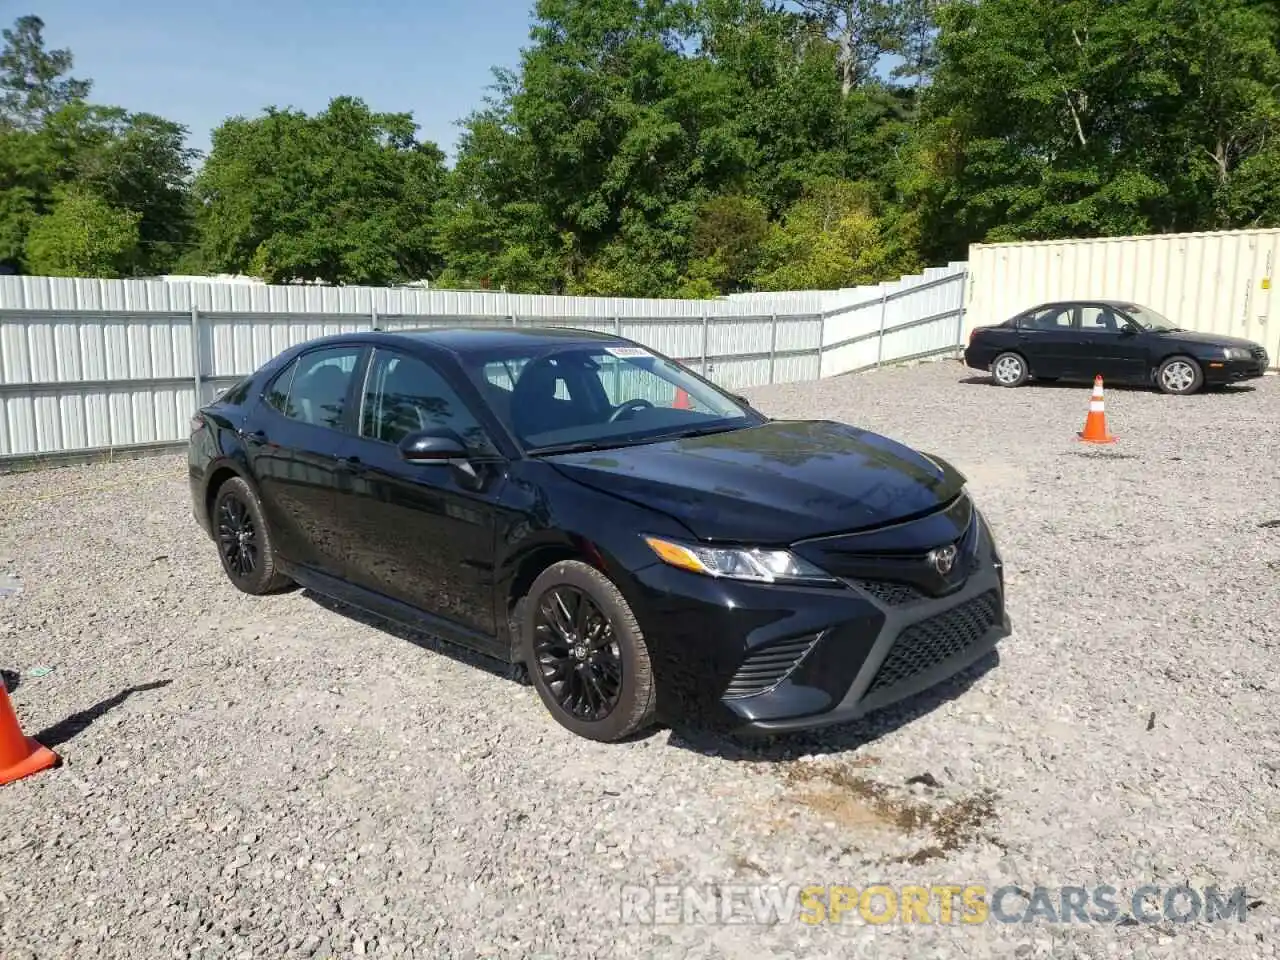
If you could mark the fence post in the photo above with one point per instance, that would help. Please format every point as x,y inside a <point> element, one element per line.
<point>705,323</point>
<point>773,343</point>
<point>884,309</point>
<point>373,318</point>
<point>195,356</point>
<point>617,363</point>
<point>515,322</point>
<point>960,313</point>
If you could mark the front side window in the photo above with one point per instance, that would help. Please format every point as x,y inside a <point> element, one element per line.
<point>404,395</point>
<point>1098,320</point>
<point>601,395</point>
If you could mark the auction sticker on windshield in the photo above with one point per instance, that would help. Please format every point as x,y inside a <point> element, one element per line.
<point>624,353</point>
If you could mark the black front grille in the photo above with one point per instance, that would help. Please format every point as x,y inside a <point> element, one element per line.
<point>894,594</point>
<point>929,642</point>
<point>768,666</point>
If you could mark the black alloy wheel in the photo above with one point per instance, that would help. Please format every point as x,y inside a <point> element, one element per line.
<point>237,537</point>
<point>244,542</point>
<point>585,653</point>
<point>577,653</point>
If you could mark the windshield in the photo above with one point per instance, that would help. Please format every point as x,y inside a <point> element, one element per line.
<point>1147,318</point>
<point>592,397</point>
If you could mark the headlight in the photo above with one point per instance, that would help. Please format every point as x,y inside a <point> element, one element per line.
<point>1236,353</point>
<point>737,563</point>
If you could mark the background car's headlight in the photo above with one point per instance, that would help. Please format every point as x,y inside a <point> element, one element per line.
<point>1236,353</point>
<point>737,563</point>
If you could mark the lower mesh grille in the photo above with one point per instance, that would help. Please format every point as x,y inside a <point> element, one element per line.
<point>924,644</point>
<point>768,666</point>
<point>894,594</point>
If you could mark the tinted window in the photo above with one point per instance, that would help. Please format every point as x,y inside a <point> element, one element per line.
<point>404,394</point>
<point>238,393</point>
<point>1097,319</point>
<point>314,388</point>
<point>278,389</point>
<point>1051,318</point>
<point>599,394</point>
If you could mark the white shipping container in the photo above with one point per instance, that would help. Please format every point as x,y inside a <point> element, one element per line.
<point>1223,282</point>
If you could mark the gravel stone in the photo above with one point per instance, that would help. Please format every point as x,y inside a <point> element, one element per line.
<point>253,777</point>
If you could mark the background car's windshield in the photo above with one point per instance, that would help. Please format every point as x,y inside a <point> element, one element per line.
<point>601,395</point>
<point>1147,318</point>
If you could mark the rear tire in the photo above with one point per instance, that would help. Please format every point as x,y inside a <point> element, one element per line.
<point>1179,376</point>
<point>244,543</point>
<point>590,664</point>
<point>1009,370</point>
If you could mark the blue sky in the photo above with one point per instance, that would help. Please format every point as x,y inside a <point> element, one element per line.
<point>198,63</point>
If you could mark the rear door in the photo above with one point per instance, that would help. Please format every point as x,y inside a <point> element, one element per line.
<point>1047,339</point>
<point>295,438</point>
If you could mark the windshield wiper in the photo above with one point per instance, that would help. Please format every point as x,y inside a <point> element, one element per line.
<point>695,432</point>
<point>580,446</point>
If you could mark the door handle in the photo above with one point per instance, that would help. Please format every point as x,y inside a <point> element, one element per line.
<point>349,463</point>
<point>259,436</point>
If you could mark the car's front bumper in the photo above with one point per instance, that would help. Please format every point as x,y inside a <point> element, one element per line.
<point>758,659</point>
<point>1234,371</point>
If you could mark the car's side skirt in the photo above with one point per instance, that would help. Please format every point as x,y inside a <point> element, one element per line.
<point>383,606</point>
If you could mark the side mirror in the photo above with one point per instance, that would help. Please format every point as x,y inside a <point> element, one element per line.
<point>432,446</point>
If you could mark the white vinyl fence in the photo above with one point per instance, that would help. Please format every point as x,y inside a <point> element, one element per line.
<point>91,367</point>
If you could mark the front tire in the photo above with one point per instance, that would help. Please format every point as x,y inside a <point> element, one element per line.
<point>244,543</point>
<point>586,655</point>
<point>1009,370</point>
<point>1180,376</point>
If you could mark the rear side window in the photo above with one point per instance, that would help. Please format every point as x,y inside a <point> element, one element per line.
<point>315,387</point>
<point>1052,318</point>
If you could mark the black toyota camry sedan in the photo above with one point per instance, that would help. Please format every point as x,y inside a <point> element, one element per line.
<point>649,546</point>
<point>1121,342</point>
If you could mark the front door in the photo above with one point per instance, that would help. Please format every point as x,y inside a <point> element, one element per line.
<point>293,439</point>
<point>1109,346</point>
<point>423,534</point>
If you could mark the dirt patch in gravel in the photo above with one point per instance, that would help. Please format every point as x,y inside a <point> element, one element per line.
<point>250,778</point>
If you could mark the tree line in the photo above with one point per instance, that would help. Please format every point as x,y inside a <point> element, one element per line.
<point>682,147</point>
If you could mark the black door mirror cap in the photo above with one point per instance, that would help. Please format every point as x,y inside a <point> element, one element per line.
<point>439,445</point>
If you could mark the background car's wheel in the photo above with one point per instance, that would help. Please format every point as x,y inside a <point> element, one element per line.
<point>1009,370</point>
<point>244,542</point>
<point>586,655</point>
<point>1180,376</point>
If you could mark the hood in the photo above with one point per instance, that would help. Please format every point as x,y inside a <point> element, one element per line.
<point>775,483</point>
<point>1209,339</point>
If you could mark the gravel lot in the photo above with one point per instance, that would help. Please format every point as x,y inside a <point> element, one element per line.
<point>276,777</point>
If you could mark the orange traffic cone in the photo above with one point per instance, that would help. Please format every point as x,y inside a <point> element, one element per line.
<point>20,756</point>
<point>682,400</point>
<point>1095,425</point>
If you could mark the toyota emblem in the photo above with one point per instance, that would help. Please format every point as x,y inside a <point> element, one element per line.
<point>943,559</point>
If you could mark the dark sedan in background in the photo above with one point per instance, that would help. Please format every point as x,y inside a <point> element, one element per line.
<point>649,546</point>
<point>1122,342</point>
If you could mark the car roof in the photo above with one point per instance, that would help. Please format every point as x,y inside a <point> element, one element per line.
<point>473,341</point>
<point>1119,304</point>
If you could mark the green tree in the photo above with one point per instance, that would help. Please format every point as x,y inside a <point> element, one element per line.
<point>830,238</point>
<point>136,162</point>
<point>82,236</point>
<point>1087,117</point>
<point>33,81</point>
<point>344,196</point>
